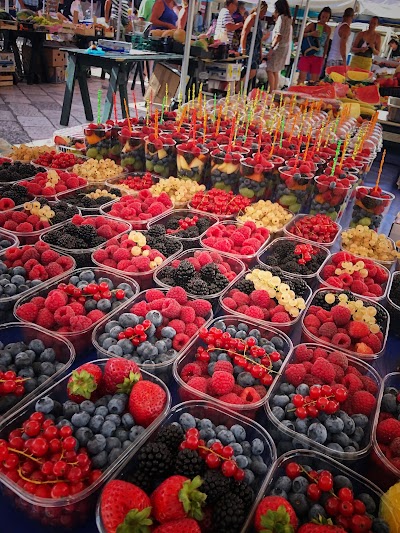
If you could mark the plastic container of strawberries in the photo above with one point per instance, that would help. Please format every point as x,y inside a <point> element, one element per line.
<point>83,257</point>
<point>311,279</point>
<point>277,429</point>
<point>297,218</point>
<point>7,303</point>
<point>75,509</point>
<point>382,463</point>
<point>136,224</point>
<point>145,280</point>
<point>80,340</point>
<point>248,260</point>
<point>162,370</point>
<point>65,353</point>
<point>393,308</point>
<point>380,299</point>
<point>10,237</point>
<point>188,356</point>
<point>187,243</point>
<point>65,196</point>
<point>218,416</point>
<point>284,327</point>
<point>235,264</point>
<point>306,336</point>
<point>118,182</point>
<point>317,461</point>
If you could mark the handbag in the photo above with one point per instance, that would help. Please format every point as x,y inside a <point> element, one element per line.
<point>309,46</point>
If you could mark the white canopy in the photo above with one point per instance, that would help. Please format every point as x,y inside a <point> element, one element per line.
<point>384,9</point>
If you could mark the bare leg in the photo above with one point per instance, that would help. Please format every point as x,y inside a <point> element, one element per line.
<point>302,77</point>
<point>315,77</point>
<point>272,80</point>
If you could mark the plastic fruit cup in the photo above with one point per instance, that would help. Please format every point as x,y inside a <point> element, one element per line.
<point>186,392</point>
<point>256,178</point>
<point>132,150</point>
<point>74,510</point>
<point>292,229</point>
<point>370,207</point>
<point>218,416</point>
<point>281,433</point>
<point>293,189</point>
<point>97,140</point>
<point>329,197</point>
<point>115,146</point>
<point>225,170</point>
<point>160,155</point>
<point>191,161</point>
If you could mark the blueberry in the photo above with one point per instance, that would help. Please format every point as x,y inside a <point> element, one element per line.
<point>88,275</point>
<point>168,332</point>
<point>239,432</point>
<point>358,435</point>
<point>116,405</point>
<point>242,461</point>
<point>290,411</point>
<point>116,350</point>
<point>245,379</point>
<point>340,482</point>
<point>280,400</point>
<point>83,435</point>
<point>389,403</point>
<point>111,443</point>
<point>334,424</point>
<point>279,492</point>
<point>207,434</point>
<point>121,434</point>
<point>114,418</point>
<point>349,424</point>
<point>100,459</point>
<point>237,448</point>
<point>114,454</point>
<point>226,437</point>
<point>301,425</point>
<point>101,410</point>
<point>286,388</point>
<point>115,331</point>
<point>23,360</point>
<point>96,444</point>
<point>257,447</point>
<point>44,405</point>
<point>220,324</point>
<point>155,318</point>
<point>349,449</point>
<point>5,359</point>
<point>258,466</point>
<point>380,526</point>
<point>361,421</point>
<point>88,407</point>
<point>340,438</point>
<point>96,423</point>
<point>10,289</point>
<point>284,483</point>
<point>135,432</point>
<point>317,433</point>
<point>80,420</point>
<point>127,421</point>
<point>104,305</point>
<point>187,421</point>
<point>246,447</point>
<point>303,389</point>
<point>300,484</point>
<point>64,422</point>
<point>299,503</point>
<point>110,325</point>
<point>335,447</point>
<point>128,320</point>
<point>248,476</point>
<point>278,412</point>
<point>368,501</point>
<point>316,511</point>
<point>126,444</point>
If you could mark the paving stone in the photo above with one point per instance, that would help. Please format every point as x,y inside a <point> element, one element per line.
<point>40,133</point>
<point>26,110</point>
<point>6,116</point>
<point>37,122</point>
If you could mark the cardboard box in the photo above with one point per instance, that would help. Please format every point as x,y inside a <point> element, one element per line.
<point>6,80</point>
<point>7,62</point>
<point>56,74</point>
<point>215,85</point>
<point>55,58</point>
<point>224,71</point>
<point>162,76</point>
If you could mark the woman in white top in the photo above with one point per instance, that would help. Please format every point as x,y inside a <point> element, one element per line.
<point>340,47</point>
<point>281,43</point>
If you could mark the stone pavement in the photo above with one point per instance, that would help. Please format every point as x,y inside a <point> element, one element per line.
<point>32,112</point>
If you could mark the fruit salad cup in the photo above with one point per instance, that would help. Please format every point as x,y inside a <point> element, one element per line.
<point>329,196</point>
<point>160,153</point>
<point>115,146</point>
<point>256,178</point>
<point>97,140</point>
<point>191,161</point>
<point>293,188</point>
<point>225,170</point>
<point>132,150</point>
<point>370,207</point>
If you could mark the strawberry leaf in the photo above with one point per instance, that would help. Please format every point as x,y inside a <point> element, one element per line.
<point>192,499</point>
<point>136,522</point>
<point>82,383</point>
<point>126,386</point>
<point>276,521</point>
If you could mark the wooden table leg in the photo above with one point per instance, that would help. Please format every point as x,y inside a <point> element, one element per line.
<point>83,86</point>
<point>112,89</point>
<point>69,90</point>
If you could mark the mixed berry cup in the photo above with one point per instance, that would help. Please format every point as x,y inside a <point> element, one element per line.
<point>132,150</point>
<point>114,152</point>
<point>256,178</point>
<point>191,162</point>
<point>293,189</point>
<point>370,207</point>
<point>329,196</point>
<point>160,153</point>
<point>97,140</point>
<point>225,169</point>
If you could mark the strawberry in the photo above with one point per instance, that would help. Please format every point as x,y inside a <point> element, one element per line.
<point>125,507</point>
<point>275,514</point>
<point>185,525</point>
<point>120,375</point>
<point>320,528</point>
<point>146,402</point>
<point>83,382</point>
<point>177,497</point>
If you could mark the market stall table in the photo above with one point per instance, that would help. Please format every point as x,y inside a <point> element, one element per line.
<point>117,65</point>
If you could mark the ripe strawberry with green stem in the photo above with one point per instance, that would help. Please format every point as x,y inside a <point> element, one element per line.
<point>178,497</point>
<point>184,525</point>
<point>312,527</point>
<point>125,508</point>
<point>120,375</point>
<point>146,402</point>
<point>275,514</point>
<point>83,382</point>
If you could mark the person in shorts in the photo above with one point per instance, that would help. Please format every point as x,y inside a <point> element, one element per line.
<point>311,64</point>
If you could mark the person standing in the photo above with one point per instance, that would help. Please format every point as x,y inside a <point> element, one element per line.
<point>319,34</point>
<point>340,47</point>
<point>246,36</point>
<point>225,23</point>
<point>111,13</point>
<point>395,47</point>
<point>198,22</point>
<point>145,9</point>
<point>365,45</point>
<point>281,43</point>
<point>163,15</point>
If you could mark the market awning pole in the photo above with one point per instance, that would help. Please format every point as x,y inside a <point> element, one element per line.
<point>252,44</point>
<point>7,6</point>
<point>186,55</point>
<point>299,41</point>
<point>119,20</point>
<point>91,10</point>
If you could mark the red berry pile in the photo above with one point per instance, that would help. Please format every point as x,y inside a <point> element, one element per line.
<point>320,399</point>
<point>10,383</point>
<point>388,428</point>
<point>134,182</point>
<point>49,463</point>
<point>52,182</point>
<point>317,228</point>
<point>139,209</point>
<point>236,239</point>
<point>360,276</point>
<point>13,195</point>
<point>219,202</point>
<point>58,160</point>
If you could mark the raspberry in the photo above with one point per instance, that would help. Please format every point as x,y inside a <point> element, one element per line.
<point>10,225</point>
<point>189,371</point>
<point>319,352</point>
<point>281,318</point>
<point>260,298</point>
<point>204,258</point>
<point>49,256</point>
<point>328,271</point>
<point>201,307</point>
<point>65,262</point>
<point>121,254</point>
<point>242,310</point>
<point>250,395</point>
<point>363,402</point>
<point>45,319</point>
<point>303,353</point>
<point>255,312</point>
<point>199,383</point>
<point>355,371</point>
<point>352,383</point>
<point>222,382</point>
<point>261,390</point>
<point>358,329</point>
<point>31,253</point>
<point>200,321</point>
<point>369,385</point>
<point>342,340</point>
<point>231,398</point>
<point>100,255</point>
<point>54,269</point>
<point>25,227</point>
<point>179,341</point>
<point>312,321</point>
<point>388,430</point>
<point>154,294</point>
<point>177,325</point>
<point>27,312</point>
<point>373,342</point>
<point>38,301</point>
<point>359,287</point>
<point>187,314</point>
<point>230,303</point>
<point>171,308</point>
<point>77,308</point>
<point>311,380</point>
<point>335,282</point>
<point>63,315</point>
<point>38,272</point>
<point>95,315</point>
<point>224,366</point>
<point>328,329</point>
<point>339,372</point>
<point>191,329</point>
<point>19,216</point>
<point>395,447</point>
<point>56,299</point>
<point>341,315</point>
<point>240,298</point>
<point>338,358</point>
<point>295,374</point>
<point>178,294</point>
<point>323,370</point>
<point>322,315</point>
<point>363,348</point>
<point>80,323</point>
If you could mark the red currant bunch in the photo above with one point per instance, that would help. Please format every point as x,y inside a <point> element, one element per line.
<point>97,291</point>
<point>320,398</point>
<point>184,223</point>
<point>136,334</point>
<point>10,383</point>
<point>305,251</point>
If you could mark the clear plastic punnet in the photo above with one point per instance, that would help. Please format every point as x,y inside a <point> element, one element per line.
<point>139,224</point>
<point>7,237</point>
<point>218,416</point>
<point>75,198</point>
<point>392,307</point>
<point>291,227</point>
<point>74,510</point>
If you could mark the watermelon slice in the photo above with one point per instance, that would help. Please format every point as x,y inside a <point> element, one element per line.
<point>341,89</point>
<point>368,94</point>
<point>343,70</point>
<point>318,91</point>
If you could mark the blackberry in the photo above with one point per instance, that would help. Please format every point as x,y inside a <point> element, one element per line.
<point>271,260</point>
<point>157,230</point>
<point>245,285</point>
<point>245,493</point>
<point>191,232</point>
<point>172,223</point>
<point>18,171</point>
<point>115,191</point>
<point>168,281</point>
<point>298,286</point>
<point>215,484</point>
<point>141,479</point>
<point>171,435</point>
<point>17,193</point>
<point>380,317</point>
<point>189,463</point>
<point>165,245</point>
<point>220,281</point>
<point>64,241</point>
<point>203,224</point>
<point>155,459</point>
<point>185,271</point>
<point>71,229</point>
<point>52,237</point>
<point>293,267</point>
<point>97,241</point>
<point>209,271</point>
<point>168,272</point>
<point>229,514</point>
<point>197,287</point>
<point>87,232</point>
